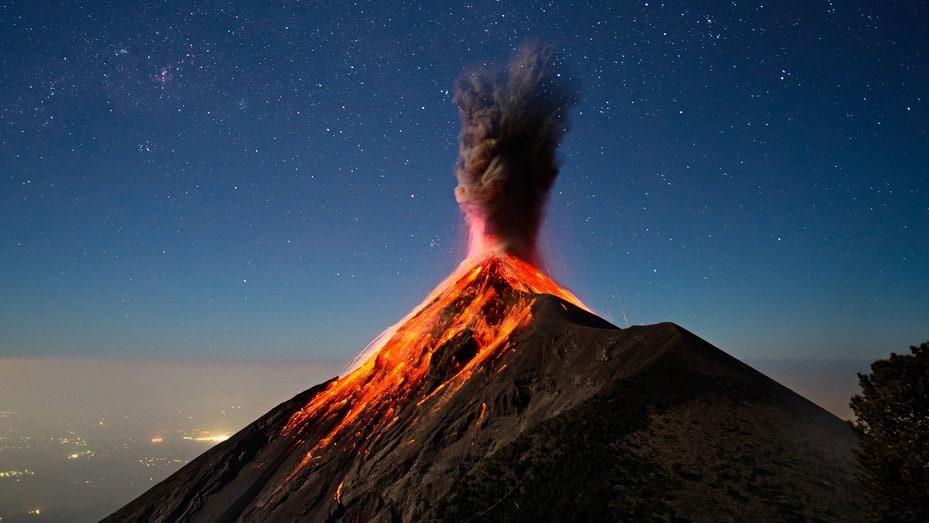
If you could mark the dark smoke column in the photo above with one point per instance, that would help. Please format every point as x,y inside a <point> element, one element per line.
<point>512,121</point>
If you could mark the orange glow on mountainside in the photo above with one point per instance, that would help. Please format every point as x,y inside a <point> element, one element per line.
<point>426,357</point>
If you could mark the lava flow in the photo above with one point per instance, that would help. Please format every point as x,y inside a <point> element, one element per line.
<point>426,357</point>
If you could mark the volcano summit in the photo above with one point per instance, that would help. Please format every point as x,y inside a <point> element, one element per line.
<point>502,397</point>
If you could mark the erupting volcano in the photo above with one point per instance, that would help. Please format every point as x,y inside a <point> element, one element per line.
<point>502,396</point>
<point>464,324</point>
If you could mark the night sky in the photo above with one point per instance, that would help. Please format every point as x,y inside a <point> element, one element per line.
<point>249,180</point>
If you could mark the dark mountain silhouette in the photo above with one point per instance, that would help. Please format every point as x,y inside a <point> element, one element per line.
<point>512,402</point>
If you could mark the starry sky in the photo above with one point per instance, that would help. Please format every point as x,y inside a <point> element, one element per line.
<point>274,180</point>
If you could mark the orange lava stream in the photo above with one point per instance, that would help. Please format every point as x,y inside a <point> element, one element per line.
<point>479,304</point>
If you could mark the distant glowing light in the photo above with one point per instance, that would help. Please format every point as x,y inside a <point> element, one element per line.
<point>82,454</point>
<point>207,437</point>
<point>15,473</point>
<point>157,439</point>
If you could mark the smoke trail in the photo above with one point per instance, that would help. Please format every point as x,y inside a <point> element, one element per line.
<point>512,121</point>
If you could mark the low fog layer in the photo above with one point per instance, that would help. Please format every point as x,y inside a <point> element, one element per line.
<point>81,437</point>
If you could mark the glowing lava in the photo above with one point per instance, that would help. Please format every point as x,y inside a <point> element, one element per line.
<point>427,356</point>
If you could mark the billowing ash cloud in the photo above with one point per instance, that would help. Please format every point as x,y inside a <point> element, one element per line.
<point>513,119</point>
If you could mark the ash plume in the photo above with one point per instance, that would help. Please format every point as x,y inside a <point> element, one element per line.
<point>513,119</point>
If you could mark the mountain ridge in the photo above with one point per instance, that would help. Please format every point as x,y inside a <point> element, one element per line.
<point>577,420</point>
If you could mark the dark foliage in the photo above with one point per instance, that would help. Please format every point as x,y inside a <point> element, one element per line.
<point>893,428</point>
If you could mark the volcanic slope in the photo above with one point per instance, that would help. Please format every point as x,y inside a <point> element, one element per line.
<point>502,398</point>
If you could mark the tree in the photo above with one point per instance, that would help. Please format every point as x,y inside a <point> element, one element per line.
<point>893,430</point>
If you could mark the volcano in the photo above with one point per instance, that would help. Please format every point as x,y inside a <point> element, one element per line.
<point>502,397</point>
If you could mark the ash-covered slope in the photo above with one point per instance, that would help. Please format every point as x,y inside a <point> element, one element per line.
<point>564,417</point>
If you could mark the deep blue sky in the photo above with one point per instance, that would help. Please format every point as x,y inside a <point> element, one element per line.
<point>221,179</point>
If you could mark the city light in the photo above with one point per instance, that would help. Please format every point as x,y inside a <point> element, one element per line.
<point>16,473</point>
<point>81,454</point>
<point>207,437</point>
